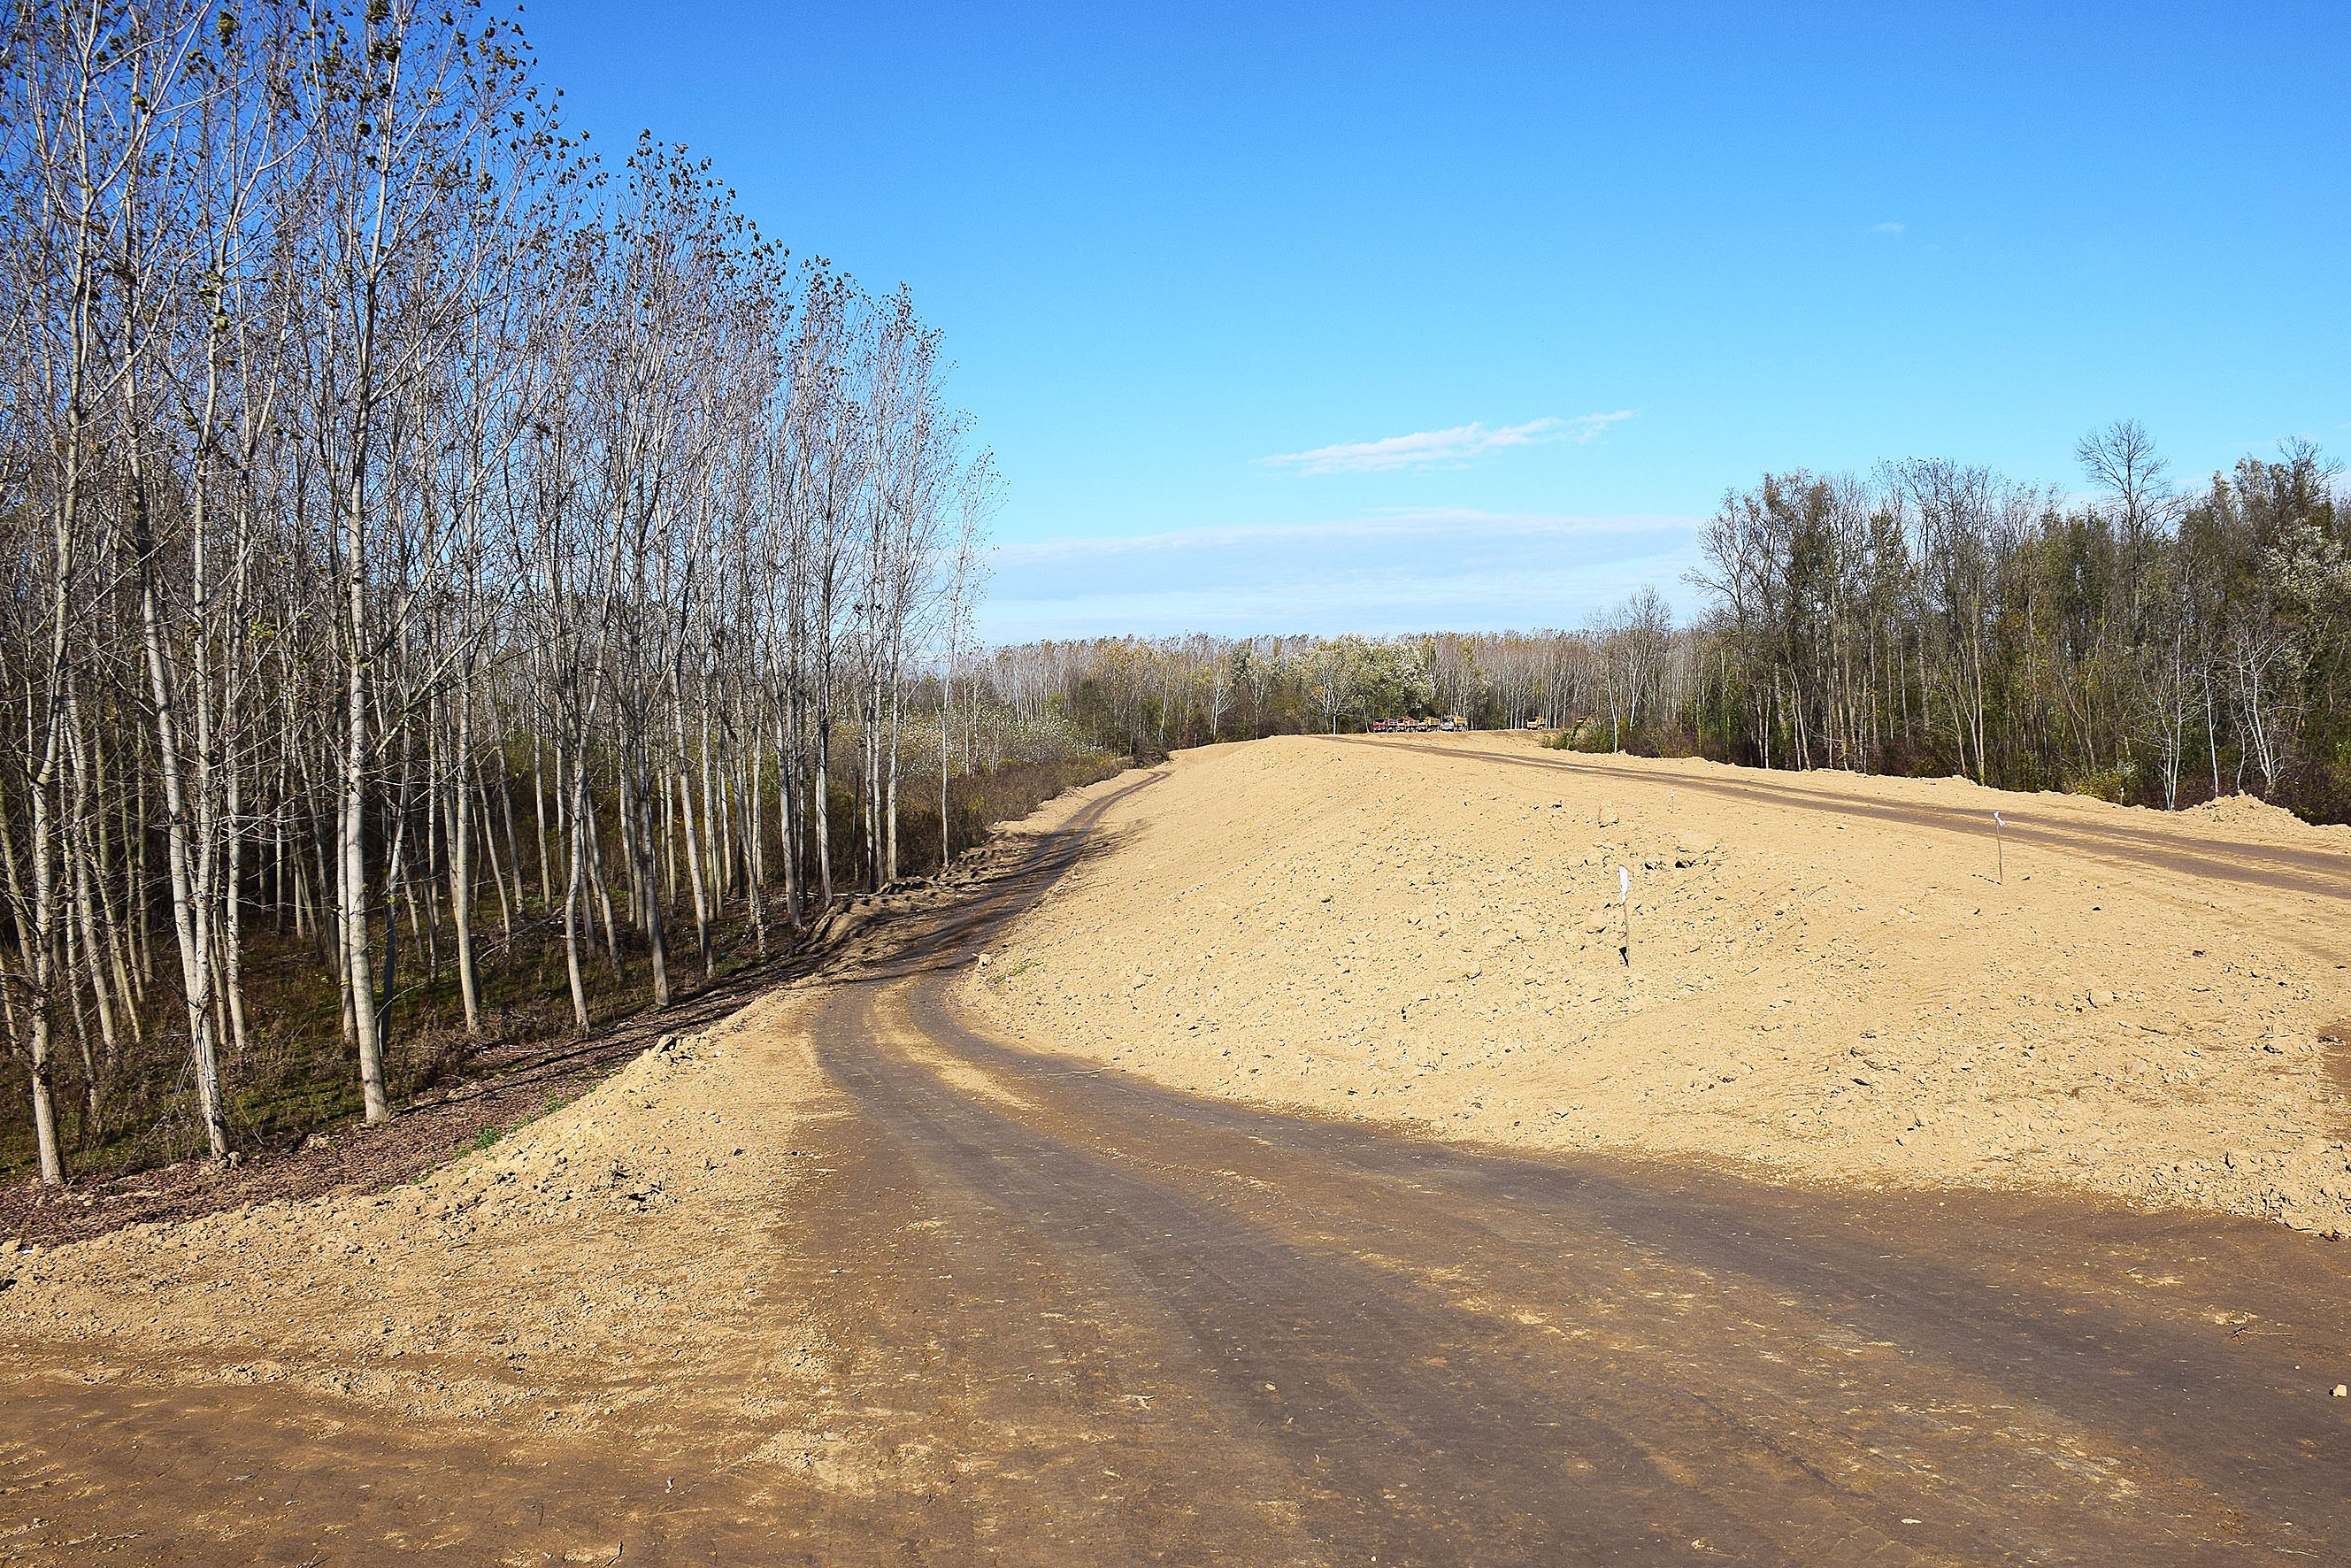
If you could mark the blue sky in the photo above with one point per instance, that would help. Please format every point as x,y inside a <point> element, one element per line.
<point>1394,318</point>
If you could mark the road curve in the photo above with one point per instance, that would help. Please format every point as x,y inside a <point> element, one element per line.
<point>1159,1329</point>
<point>1081,1319</point>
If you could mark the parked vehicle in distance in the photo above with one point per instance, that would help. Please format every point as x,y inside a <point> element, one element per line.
<point>1423,726</point>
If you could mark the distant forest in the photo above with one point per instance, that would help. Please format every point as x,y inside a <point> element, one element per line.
<point>2140,643</point>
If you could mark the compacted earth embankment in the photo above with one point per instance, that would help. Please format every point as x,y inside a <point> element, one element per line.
<point>1864,980</point>
<point>847,1279</point>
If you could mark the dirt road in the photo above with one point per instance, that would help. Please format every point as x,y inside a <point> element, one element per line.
<point>985,1305</point>
<point>2325,872</point>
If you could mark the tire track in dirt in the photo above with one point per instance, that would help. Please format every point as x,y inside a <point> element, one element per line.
<point>1462,1358</point>
<point>2320,871</point>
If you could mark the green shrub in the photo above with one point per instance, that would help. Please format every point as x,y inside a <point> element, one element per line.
<point>2098,784</point>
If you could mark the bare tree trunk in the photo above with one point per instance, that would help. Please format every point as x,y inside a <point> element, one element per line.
<point>461,857</point>
<point>694,856</point>
<point>188,914</point>
<point>824,789</point>
<point>539,803</point>
<point>656,935</point>
<point>789,816</point>
<point>572,894</point>
<point>358,964</point>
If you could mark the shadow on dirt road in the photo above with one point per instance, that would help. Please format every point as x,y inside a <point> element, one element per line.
<point>1085,1319</point>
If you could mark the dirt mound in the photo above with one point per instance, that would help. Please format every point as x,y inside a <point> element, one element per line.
<point>2251,814</point>
<point>1834,976</point>
<point>519,1282</point>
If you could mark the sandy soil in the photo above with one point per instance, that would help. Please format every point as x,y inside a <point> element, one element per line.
<point>558,1277</point>
<point>506,1086</point>
<point>2145,1008</point>
<point>612,1304</point>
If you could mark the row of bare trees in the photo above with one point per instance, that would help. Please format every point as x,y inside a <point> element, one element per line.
<point>2147,644</point>
<point>1149,695</point>
<point>421,534</point>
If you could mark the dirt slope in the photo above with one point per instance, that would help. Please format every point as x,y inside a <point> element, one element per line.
<point>556,1288</point>
<point>1828,976</point>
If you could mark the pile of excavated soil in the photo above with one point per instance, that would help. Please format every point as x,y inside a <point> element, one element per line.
<point>1429,933</point>
<point>2257,821</point>
<point>561,1275</point>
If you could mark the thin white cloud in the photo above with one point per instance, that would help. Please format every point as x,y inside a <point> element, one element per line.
<point>1443,448</point>
<point>1393,571</point>
<point>1888,228</point>
<point>1398,524</point>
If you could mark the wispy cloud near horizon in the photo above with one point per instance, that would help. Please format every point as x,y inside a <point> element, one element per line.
<point>1444,568</point>
<point>1444,448</point>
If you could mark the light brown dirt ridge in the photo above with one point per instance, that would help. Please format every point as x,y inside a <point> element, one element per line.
<point>408,1296</point>
<point>595,1283</point>
<point>1831,976</point>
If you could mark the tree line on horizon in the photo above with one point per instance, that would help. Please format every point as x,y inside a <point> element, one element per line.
<point>457,586</point>
<point>2147,644</point>
<point>2143,644</point>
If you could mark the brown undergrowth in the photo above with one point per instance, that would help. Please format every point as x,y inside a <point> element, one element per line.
<point>294,1107</point>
